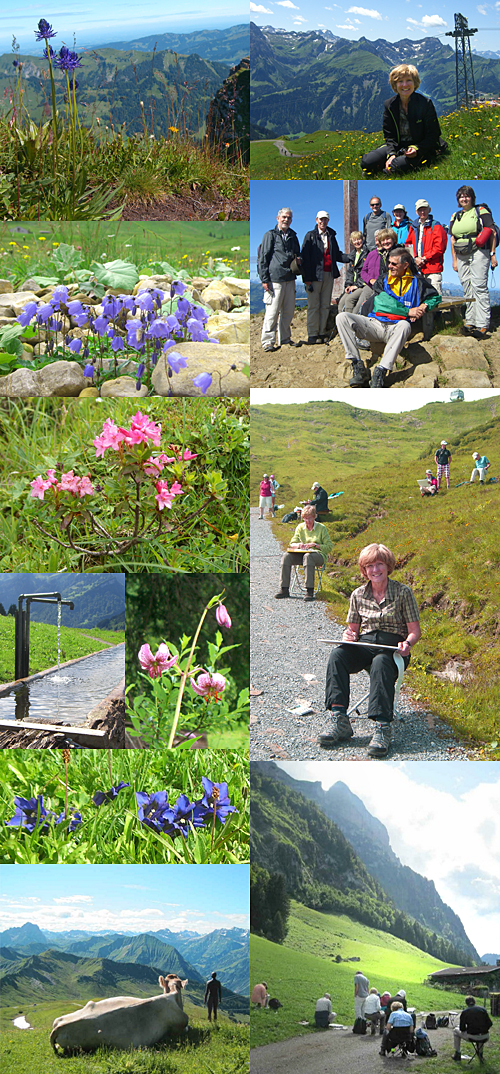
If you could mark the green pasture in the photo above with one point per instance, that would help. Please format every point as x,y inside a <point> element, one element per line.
<point>195,246</point>
<point>473,139</point>
<point>308,955</point>
<point>447,548</point>
<point>112,832</point>
<point>75,642</point>
<point>220,1049</point>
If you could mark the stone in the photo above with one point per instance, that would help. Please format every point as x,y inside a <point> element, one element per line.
<point>29,285</point>
<point>89,393</point>
<point>6,287</point>
<point>205,358</point>
<point>236,286</point>
<point>147,282</point>
<point>424,376</point>
<point>122,387</point>
<point>466,378</point>
<point>458,353</point>
<point>61,379</point>
<point>11,305</point>
<point>229,330</point>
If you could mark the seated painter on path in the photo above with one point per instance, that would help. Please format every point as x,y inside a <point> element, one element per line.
<point>383,612</point>
<point>313,543</point>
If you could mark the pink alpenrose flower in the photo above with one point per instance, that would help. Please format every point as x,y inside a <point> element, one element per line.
<point>222,616</point>
<point>209,686</point>
<point>164,495</point>
<point>157,664</point>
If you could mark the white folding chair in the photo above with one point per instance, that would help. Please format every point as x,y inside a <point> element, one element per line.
<point>400,664</point>
<point>297,581</point>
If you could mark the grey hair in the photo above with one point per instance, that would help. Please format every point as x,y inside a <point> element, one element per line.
<point>286,209</point>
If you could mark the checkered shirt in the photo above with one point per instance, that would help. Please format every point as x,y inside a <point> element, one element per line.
<point>397,609</point>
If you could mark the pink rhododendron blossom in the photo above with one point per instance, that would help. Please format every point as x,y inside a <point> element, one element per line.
<point>209,686</point>
<point>69,483</point>
<point>111,437</point>
<point>157,664</point>
<point>85,488</point>
<point>142,429</point>
<point>222,616</point>
<point>39,487</point>
<point>154,466</point>
<point>164,495</point>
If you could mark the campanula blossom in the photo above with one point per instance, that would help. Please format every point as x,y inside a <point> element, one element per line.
<point>203,382</point>
<point>209,686</point>
<point>157,664</point>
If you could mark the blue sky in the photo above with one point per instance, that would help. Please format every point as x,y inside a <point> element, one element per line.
<point>307,197</point>
<point>139,898</point>
<point>387,19</point>
<point>93,22</point>
<point>443,821</point>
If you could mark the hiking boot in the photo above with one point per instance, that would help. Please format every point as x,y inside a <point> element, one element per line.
<point>479,333</point>
<point>269,348</point>
<point>381,740</point>
<point>312,340</point>
<point>341,732</point>
<point>378,377</point>
<point>309,594</point>
<point>290,343</point>
<point>284,592</point>
<point>360,376</point>
<point>457,1057</point>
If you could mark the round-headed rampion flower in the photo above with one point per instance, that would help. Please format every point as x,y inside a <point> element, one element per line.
<point>107,796</point>
<point>209,686</point>
<point>222,616</point>
<point>216,799</point>
<point>44,31</point>
<point>157,664</point>
<point>203,382</point>
<point>66,60</point>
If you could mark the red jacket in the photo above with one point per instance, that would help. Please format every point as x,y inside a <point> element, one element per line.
<point>434,245</point>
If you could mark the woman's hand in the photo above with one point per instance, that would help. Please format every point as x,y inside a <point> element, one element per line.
<point>350,634</point>
<point>455,266</point>
<point>350,289</point>
<point>404,648</point>
<point>493,261</point>
<point>411,151</point>
<point>373,281</point>
<point>389,161</point>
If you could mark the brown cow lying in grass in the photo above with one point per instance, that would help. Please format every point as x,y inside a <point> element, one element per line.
<point>123,1021</point>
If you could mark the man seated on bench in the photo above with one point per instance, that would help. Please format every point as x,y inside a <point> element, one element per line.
<point>324,1014</point>
<point>474,1025</point>
<point>399,1028</point>
<point>385,612</point>
<point>312,535</point>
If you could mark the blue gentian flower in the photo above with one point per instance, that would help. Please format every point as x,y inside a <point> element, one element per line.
<point>44,31</point>
<point>203,382</point>
<point>76,820</point>
<point>220,803</point>
<point>30,813</point>
<point>153,809</point>
<point>107,796</point>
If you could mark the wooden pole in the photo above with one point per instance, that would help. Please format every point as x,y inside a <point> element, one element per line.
<point>350,224</point>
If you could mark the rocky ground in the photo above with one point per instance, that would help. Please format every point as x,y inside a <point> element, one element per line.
<point>228,298</point>
<point>446,361</point>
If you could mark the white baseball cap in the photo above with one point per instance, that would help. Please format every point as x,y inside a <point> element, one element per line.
<point>421,204</point>
<point>323,213</point>
<point>443,443</point>
<point>315,486</point>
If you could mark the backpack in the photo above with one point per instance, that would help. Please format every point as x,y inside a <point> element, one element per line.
<point>496,228</point>
<point>423,1045</point>
<point>274,1004</point>
<point>430,1021</point>
<point>443,1022</point>
<point>359,1026</point>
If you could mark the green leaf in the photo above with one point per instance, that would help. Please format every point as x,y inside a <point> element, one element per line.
<point>116,274</point>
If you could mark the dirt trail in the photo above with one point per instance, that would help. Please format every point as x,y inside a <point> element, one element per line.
<point>337,1051</point>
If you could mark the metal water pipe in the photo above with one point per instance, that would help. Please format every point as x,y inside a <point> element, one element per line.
<point>22,640</point>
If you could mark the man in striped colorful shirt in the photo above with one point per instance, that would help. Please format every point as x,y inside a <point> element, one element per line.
<point>400,298</point>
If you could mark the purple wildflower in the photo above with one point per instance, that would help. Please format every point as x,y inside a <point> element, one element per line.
<point>108,796</point>
<point>203,382</point>
<point>44,31</point>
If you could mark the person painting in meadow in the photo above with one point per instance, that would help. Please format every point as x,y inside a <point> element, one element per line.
<point>442,459</point>
<point>398,1018</point>
<point>213,996</point>
<point>385,612</point>
<point>324,1014</point>
<point>374,1013</point>
<point>432,488</point>
<point>313,544</point>
<point>481,465</point>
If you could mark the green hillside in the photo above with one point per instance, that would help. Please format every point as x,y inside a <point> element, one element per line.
<point>43,645</point>
<point>473,139</point>
<point>312,944</point>
<point>447,549</point>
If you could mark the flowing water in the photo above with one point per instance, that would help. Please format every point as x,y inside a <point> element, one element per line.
<point>69,694</point>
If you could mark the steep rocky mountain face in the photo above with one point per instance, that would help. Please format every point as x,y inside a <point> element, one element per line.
<point>409,891</point>
<point>303,82</point>
<point>228,120</point>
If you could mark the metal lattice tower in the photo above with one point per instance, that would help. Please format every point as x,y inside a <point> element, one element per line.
<point>466,90</point>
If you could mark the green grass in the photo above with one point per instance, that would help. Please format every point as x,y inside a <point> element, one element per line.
<point>473,139</point>
<point>308,955</point>
<point>186,245</point>
<point>447,549</point>
<point>75,642</point>
<point>112,833</point>
<point>205,1049</point>
<point>48,434</point>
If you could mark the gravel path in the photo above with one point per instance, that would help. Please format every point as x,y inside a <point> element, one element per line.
<point>336,1051</point>
<point>288,666</point>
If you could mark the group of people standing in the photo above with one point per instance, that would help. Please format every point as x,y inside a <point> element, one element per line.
<point>394,278</point>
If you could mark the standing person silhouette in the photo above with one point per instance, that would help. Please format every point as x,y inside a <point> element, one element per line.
<point>213,996</point>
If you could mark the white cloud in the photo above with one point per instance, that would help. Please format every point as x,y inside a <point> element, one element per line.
<point>287,3</point>
<point>345,27</point>
<point>298,19</point>
<point>74,898</point>
<point>481,9</point>
<point>258,9</point>
<point>368,12</point>
<point>433,20</point>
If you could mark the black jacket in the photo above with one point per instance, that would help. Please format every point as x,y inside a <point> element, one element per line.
<point>424,127</point>
<point>312,255</point>
<point>475,1020</point>
<point>275,256</point>
<point>425,291</point>
<point>352,275</point>
<point>320,500</point>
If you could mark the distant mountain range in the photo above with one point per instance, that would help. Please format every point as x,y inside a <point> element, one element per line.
<point>309,81</point>
<point>99,600</point>
<point>353,861</point>
<point>225,950</point>
<point>225,46</point>
<point>257,305</point>
<point>490,960</point>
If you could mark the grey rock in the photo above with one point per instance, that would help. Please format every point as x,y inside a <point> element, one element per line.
<point>212,358</point>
